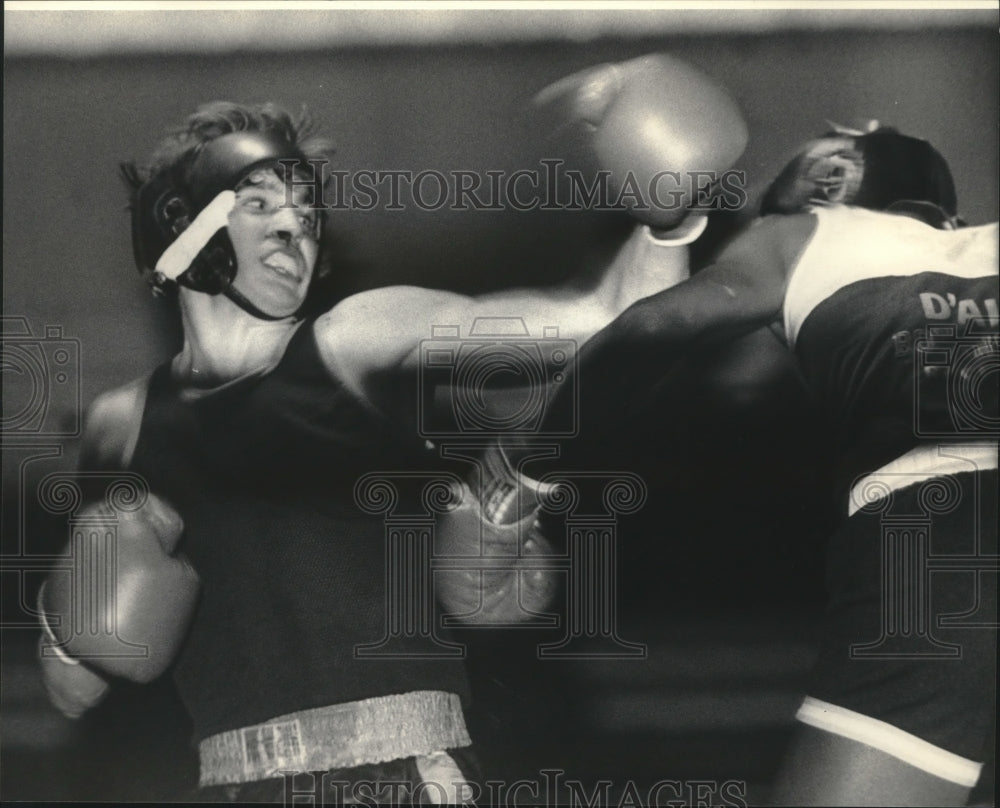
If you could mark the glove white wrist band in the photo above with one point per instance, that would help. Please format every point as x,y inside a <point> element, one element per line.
<point>690,230</point>
<point>61,655</point>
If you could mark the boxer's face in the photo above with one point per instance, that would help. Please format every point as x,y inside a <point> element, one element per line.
<point>275,246</point>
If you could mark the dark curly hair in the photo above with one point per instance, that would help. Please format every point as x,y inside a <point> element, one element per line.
<point>218,118</point>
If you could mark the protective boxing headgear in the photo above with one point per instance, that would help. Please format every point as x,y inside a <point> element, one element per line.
<point>878,170</point>
<point>165,205</point>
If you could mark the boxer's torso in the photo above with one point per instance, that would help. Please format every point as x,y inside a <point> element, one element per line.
<point>293,571</point>
<point>884,314</point>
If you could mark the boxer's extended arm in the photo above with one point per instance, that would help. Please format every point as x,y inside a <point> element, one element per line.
<point>372,340</point>
<point>648,119</point>
<point>742,291</point>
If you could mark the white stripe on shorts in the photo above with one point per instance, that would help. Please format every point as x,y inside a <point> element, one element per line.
<point>919,464</point>
<point>891,740</point>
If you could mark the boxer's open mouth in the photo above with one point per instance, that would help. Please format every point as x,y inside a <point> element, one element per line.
<point>285,263</point>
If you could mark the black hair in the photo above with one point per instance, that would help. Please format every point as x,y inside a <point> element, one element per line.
<point>894,168</point>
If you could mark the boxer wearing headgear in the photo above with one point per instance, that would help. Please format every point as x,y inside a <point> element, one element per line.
<point>180,215</point>
<point>257,432</point>
<point>859,254</point>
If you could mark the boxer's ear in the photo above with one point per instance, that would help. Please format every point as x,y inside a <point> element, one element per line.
<point>176,214</point>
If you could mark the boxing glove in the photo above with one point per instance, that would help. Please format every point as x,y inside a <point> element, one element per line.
<point>505,494</point>
<point>501,585</point>
<point>663,130</point>
<point>497,519</point>
<point>126,606</point>
<point>72,688</point>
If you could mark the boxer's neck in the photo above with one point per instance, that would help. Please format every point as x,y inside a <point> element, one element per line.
<point>223,343</point>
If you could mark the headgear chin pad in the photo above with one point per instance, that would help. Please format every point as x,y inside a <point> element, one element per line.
<point>164,206</point>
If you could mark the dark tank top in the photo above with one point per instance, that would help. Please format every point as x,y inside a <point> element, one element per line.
<point>293,571</point>
<point>894,324</point>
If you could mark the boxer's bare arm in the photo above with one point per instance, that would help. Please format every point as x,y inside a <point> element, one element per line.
<point>372,339</point>
<point>646,264</point>
<point>371,342</point>
<point>741,292</point>
<point>111,427</point>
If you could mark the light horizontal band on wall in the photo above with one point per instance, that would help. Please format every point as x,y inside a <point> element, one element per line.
<point>67,29</point>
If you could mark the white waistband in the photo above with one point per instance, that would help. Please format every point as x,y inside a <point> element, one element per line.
<point>917,465</point>
<point>339,736</point>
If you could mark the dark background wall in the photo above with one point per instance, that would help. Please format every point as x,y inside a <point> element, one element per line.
<point>68,124</point>
<point>67,263</point>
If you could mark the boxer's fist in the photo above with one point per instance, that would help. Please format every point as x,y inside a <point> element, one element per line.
<point>497,521</point>
<point>660,127</point>
<point>127,604</point>
<point>505,586</point>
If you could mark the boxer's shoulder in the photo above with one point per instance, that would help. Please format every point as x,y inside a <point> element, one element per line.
<point>379,324</point>
<point>370,335</point>
<point>385,300</point>
<point>111,426</point>
<point>772,242</point>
